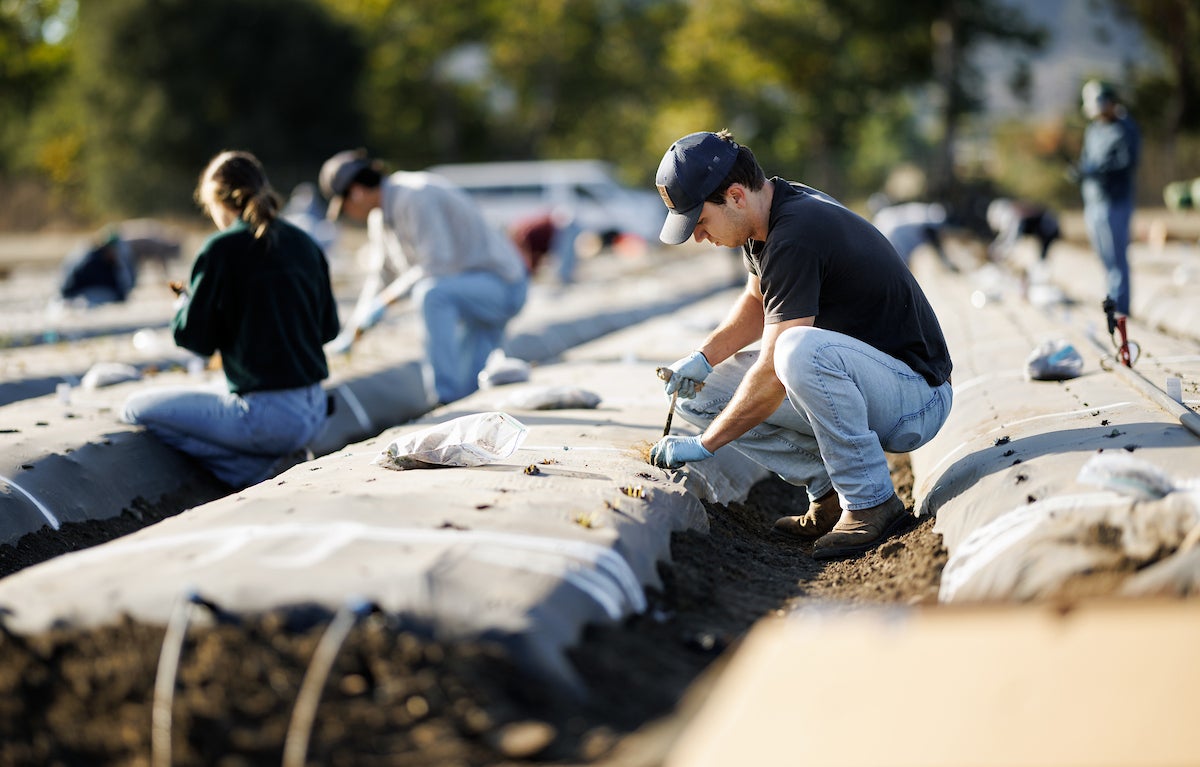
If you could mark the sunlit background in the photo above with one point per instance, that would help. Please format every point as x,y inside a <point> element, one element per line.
<point>109,109</point>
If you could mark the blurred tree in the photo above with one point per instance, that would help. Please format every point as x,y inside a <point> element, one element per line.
<point>34,65</point>
<point>832,91</point>
<point>1168,104</point>
<point>463,80</point>
<point>793,94</point>
<point>33,60</point>
<point>165,84</point>
<point>1174,25</point>
<point>958,26</point>
<point>425,87</point>
<point>585,76</point>
<point>804,82</point>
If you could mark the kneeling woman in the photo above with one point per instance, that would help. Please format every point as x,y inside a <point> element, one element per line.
<point>260,295</point>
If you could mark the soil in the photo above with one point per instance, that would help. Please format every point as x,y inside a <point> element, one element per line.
<point>198,488</point>
<point>395,697</point>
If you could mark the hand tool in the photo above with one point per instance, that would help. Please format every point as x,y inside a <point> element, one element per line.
<point>664,375</point>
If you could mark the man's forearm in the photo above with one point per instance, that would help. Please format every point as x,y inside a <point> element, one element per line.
<point>758,396</point>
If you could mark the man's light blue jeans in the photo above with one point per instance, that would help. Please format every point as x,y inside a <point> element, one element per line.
<point>1108,228</point>
<point>847,403</point>
<point>465,317</point>
<point>238,438</point>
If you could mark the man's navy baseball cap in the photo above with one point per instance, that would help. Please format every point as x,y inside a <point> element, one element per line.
<point>336,175</point>
<point>690,171</point>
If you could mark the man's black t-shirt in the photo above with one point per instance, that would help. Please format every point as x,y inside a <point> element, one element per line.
<point>822,260</point>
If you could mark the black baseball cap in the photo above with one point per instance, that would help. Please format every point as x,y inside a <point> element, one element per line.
<point>336,175</point>
<point>690,171</point>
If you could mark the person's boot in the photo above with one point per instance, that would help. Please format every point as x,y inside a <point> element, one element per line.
<point>820,518</point>
<point>859,530</point>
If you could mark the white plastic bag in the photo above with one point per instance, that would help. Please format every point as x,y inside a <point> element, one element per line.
<point>1055,360</point>
<point>472,440</point>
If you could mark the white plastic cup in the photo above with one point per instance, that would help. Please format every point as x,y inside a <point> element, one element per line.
<point>1175,389</point>
<point>63,391</point>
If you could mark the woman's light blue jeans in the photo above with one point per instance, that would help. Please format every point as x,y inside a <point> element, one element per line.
<point>465,317</point>
<point>238,438</point>
<point>847,404</point>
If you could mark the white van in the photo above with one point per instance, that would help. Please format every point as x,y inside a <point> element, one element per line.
<point>509,191</point>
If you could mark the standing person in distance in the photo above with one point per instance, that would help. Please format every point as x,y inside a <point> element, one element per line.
<point>1106,173</point>
<point>260,295</point>
<point>466,277</point>
<point>852,360</point>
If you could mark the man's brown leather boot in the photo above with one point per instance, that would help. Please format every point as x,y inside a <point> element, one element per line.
<point>820,518</point>
<point>860,530</point>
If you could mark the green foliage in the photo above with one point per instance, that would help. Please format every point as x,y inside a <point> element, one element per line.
<point>31,66</point>
<point>883,140</point>
<point>1174,26</point>
<point>796,94</point>
<point>165,84</point>
<point>463,80</point>
<point>418,107</point>
<point>585,76</point>
<point>125,111</point>
<point>1029,162</point>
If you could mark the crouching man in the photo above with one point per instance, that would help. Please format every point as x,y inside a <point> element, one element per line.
<point>852,361</point>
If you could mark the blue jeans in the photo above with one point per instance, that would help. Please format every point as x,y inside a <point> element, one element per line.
<point>847,403</point>
<point>465,317</point>
<point>564,249</point>
<point>1108,229</point>
<point>237,437</point>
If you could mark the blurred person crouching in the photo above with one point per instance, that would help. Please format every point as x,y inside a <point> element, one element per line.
<point>466,277</point>
<point>103,271</point>
<point>548,235</point>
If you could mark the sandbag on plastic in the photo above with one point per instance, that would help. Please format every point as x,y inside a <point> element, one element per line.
<point>1032,551</point>
<point>472,440</point>
<point>109,373</point>
<point>1054,360</point>
<point>1126,475</point>
<point>1176,576</point>
<point>553,398</point>
<point>501,370</point>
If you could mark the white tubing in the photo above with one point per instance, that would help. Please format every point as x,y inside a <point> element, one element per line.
<point>164,681</point>
<point>49,515</point>
<point>329,537</point>
<point>304,712</point>
<point>967,445</point>
<point>360,413</point>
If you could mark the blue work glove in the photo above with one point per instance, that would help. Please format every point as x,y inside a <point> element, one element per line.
<point>673,452</point>
<point>372,316</point>
<point>687,374</point>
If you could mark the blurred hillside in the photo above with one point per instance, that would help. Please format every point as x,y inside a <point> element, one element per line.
<point>109,110</point>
